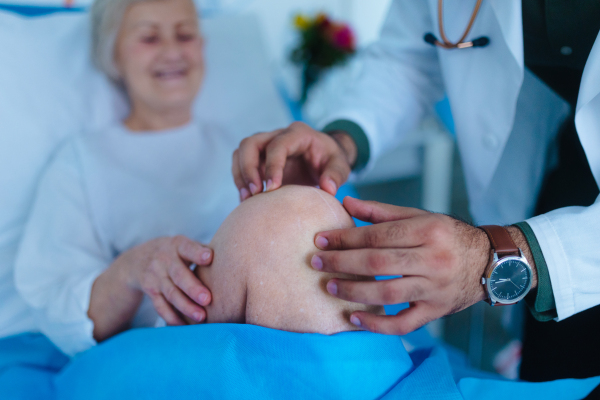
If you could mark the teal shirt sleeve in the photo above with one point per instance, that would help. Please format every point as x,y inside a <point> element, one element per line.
<point>358,135</point>
<point>540,300</point>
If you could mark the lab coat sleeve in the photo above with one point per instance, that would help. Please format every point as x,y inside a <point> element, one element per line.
<point>568,238</point>
<point>399,79</point>
<point>61,255</point>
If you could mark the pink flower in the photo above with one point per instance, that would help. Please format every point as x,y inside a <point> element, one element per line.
<point>343,37</point>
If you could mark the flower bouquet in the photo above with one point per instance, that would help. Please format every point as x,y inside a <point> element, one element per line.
<point>323,44</point>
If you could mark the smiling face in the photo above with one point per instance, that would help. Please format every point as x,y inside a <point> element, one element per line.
<point>159,56</point>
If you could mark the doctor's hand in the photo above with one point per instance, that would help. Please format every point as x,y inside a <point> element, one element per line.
<point>297,154</point>
<point>441,261</point>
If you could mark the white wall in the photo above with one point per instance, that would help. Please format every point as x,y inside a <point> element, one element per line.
<point>364,15</point>
<point>276,16</point>
<point>367,17</point>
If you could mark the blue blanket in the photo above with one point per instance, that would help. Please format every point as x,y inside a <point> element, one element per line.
<point>228,361</point>
<point>28,365</point>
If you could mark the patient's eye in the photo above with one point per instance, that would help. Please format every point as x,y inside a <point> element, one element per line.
<point>185,37</point>
<point>150,39</point>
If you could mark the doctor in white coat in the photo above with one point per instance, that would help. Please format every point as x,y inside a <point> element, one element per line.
<point>509,112</point>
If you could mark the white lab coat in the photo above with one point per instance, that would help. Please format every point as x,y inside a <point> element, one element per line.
<point>505,120</point>
<point>105,193</point>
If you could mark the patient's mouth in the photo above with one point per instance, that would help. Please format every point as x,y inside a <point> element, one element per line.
<point>171,74</point>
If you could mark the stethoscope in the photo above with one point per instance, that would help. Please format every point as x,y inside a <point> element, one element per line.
<point>445,43</point>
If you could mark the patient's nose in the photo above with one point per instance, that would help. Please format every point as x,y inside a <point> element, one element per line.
<point>172,50</point>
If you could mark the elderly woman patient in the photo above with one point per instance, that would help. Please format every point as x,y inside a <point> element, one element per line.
<point>100,243</point>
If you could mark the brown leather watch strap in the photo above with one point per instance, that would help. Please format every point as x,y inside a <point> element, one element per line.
<point>501,241</point>
<point>503,245</point>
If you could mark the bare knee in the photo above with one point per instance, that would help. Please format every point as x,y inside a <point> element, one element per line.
<point>261,271</point>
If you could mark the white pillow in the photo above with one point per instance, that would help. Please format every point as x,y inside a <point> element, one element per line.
<point>50,91</point>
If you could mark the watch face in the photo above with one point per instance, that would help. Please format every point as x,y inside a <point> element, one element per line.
<point>510,280</point>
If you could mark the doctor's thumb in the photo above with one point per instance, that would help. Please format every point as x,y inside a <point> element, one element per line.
<point>334,175</point>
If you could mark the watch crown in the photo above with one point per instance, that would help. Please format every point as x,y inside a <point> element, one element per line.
<point>482,280</point>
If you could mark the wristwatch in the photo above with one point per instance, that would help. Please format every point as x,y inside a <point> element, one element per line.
<point>508,278</point>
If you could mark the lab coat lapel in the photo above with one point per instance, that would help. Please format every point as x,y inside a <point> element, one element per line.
<point>510,18</point>
<point>483,84</point>
<point>587,117</point>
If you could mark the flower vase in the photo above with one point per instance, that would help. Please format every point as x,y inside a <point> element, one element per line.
<point>310,76</point>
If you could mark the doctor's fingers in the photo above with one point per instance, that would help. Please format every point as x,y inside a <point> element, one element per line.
<point>335,173</point>
<point>299,139</point>
<point>246,163</point>
<point>406,321</point>
<point>391,291</point>
<point>370,262</point>
<point>394,235</point>
<point>238,179</point>
<point>376,213</point>
<point>177,299</point>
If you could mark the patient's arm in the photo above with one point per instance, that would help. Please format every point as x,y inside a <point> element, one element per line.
<point>261,271</point>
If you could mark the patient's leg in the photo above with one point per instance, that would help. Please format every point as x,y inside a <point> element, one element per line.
<point>261,272</point>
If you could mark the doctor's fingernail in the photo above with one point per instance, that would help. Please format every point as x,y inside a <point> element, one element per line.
<point>203,298</point>
<point>333,184</point>
<point>198,316</point>
<point>244,194</point>
<point>316,262</point>
<point>321,242</point>
<point>205,256</point>
<point>269,184</point>
<point>355,320</point>
<point>253,188</point>
<point>332,287</point>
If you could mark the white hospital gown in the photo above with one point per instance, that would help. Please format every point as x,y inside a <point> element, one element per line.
<point>105,193</point>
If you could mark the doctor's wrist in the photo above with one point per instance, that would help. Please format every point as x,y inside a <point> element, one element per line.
<point>347,145</point>
<point>521,241</point>
<point>360,143</point>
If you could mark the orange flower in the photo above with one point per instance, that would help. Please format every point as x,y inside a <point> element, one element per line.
<point>321,18</point>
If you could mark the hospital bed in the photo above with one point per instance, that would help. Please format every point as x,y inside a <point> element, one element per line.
<point>51,92</point>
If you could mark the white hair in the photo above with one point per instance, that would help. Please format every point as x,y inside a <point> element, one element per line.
<point>106,17</point>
